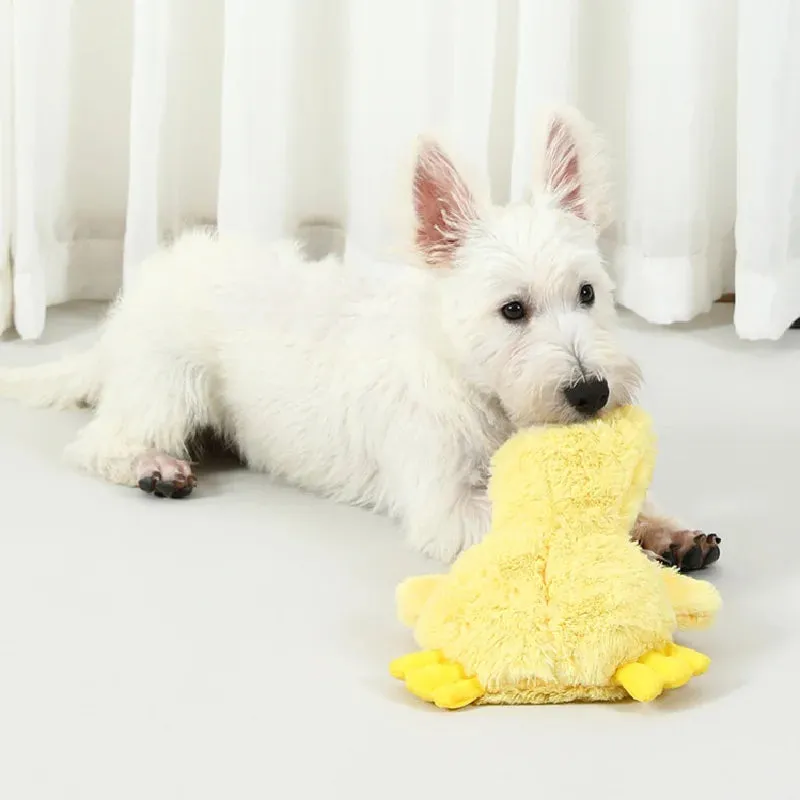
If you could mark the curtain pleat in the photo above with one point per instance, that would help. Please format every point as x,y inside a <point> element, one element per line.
<point>461,76</point>
<point>548,68</point>
<point>387,88</point>
<point>6,163</point>
<point>413,68</point>
<point>257,88</point>
<point>668,252</point>
<point>152,37</point>
<point>41,76</point>
<point>768,192</point>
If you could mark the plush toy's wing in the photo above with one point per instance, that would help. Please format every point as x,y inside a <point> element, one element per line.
<point>412,595</point>
<point>695,602</point>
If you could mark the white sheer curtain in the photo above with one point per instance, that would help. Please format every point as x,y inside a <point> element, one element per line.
<point>124,121</point>
<point>768,196</point>
<point>6,161</point>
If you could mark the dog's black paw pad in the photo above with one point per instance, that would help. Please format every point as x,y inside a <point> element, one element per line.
<point>692,559</point>
<point>668,557</point>
<point>148,483</point>
<point>688,550</point>
<point>176,489</point>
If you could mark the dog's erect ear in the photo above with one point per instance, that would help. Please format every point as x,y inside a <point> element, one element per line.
<point>572,168</point>
<point>444,207</point>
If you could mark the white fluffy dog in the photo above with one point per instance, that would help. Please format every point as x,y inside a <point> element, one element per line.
<point>389,388</point>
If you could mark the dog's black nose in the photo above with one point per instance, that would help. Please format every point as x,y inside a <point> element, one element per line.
<point>588,396</point>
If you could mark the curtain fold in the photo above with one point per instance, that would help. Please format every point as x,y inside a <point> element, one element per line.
<point>174,160</point>
<point>148,168</point>
<point>669,248</point>
<point>257,89</point>
<point>41,80</point>
<point>548,69</point>
<point>6,163</point>
<point>768,192</point>
<point>413,68</point>
<point>386,98</point>
<point>290,118</point>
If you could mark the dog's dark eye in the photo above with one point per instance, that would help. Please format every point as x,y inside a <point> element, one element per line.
<point>515,311</point>
<point>586,295</point>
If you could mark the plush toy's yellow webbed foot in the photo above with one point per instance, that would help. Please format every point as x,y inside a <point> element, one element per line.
<point>673,671</point>
<point>403,666</point>
<point>640,682</point>
<point>699,662</point>
<point>459,694</point>
<point>646,679</point>
<point>429,676</point>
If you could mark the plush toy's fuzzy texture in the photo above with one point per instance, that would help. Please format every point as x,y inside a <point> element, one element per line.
<point>556,604</point>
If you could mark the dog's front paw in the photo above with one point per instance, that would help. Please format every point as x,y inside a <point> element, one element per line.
<point>164,476</point>
<point>445,537</point>
<point>445,545</point>
<point>691,550</point>
<point>688,550</point>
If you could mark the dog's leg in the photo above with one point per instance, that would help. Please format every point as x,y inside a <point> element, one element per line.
<point>443,521</point>
<point>143,421</point>
<point>674,544</point>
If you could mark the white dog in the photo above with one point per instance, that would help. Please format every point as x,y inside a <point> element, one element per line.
<point>389,388</point>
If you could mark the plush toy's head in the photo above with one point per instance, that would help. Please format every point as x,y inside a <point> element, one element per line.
<point>557,604</point>
<point>599,471</point>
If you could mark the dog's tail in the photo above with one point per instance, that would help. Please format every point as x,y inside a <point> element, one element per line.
<point>69,383</point>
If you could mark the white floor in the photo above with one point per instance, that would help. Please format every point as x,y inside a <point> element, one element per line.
<point>235,645</point>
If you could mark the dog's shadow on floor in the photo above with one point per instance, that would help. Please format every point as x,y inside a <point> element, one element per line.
<point>216,463</point>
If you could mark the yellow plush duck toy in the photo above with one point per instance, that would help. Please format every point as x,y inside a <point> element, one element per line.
<point>557,604</point>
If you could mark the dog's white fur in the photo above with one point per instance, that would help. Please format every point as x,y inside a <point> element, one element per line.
<point>387,387</point>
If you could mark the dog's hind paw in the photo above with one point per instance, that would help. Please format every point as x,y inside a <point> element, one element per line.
<point>164,476</point>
